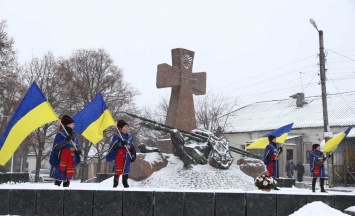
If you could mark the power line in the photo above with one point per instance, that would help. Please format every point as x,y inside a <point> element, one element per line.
<point>343,97</point>
<point>336,62</point>
<point>273,90</point>
<point>290,87</point>
<point>263,92</point>
<point>342,55</point>
<point>266,72</point>
<point>286,73</point>
<point>341,68</point>
<point>262,74</point>
<point>344,78</point>
<point>346,51</point>
<point>287,83</point>
<point>311,80</point>
<point>310,83</point>
<point>339,57</point>
<point>257,82</point>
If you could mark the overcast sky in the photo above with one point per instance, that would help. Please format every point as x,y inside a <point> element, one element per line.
<point>252,50</point>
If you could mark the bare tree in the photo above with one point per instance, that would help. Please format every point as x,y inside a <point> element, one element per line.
<point>8,56</point>
<point>10,87</point>
<point>102,149</point>
<point>158,114</point>
<point>213,112</point>
<point>162,111</point>
<point>90,72</point>
<point>47,74</point>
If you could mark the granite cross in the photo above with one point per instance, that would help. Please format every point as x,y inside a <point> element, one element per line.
<point>184,83</point>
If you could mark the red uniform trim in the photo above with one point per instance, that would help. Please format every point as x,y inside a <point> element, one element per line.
<point>120,161</point>
<point>316,171</point>
<point>66,162</point>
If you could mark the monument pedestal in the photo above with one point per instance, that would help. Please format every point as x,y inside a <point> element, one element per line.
<point>165,145</point>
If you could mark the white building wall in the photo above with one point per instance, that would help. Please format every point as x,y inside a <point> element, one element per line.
<point>31,160</point>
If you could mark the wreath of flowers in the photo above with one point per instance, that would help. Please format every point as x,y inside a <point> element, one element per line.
<point>264,181</point>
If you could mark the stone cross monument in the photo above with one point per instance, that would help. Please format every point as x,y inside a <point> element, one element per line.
<point>184,83</point>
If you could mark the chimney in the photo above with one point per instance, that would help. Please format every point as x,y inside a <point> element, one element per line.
<point>299,99</point>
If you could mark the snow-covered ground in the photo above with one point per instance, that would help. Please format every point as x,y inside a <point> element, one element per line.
<point>172,177</point>
<point>197,179</point>
<point>175,178</point>
<point>351,209</point>
<point>317,208</point>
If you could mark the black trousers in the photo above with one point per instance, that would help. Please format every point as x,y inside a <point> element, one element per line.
<point>124,180</point>
<point>321,183</point>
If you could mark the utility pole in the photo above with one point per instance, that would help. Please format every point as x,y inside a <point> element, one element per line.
<point>323,84</point>
<point>327,132</point>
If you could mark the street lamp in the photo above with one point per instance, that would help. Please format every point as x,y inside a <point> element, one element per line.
<point>327,132</point>
<point>313,23</point>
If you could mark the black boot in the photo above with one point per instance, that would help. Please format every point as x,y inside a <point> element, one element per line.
<point>66,184</point>
<point>314,184</point>
<point>125,180</point>
<point>115,181</point>
<point>57,183</point>
<point>322,185</point>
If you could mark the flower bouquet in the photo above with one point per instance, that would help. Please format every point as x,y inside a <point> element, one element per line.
<point>264,181</point>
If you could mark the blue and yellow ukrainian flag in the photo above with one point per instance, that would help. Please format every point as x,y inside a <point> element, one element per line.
<point>280,134</point>
<point>333,143</point>
<point>93,119</point>
<point>33,112</point>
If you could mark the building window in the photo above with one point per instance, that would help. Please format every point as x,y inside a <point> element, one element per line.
<point>308,153</point>
<point>289,154</point>
<point>307,146</point>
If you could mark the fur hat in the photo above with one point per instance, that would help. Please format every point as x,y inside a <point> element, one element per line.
<point>314,146</point>
<point>66,120</point>
<point>121,124</point>
<point>271,137</point>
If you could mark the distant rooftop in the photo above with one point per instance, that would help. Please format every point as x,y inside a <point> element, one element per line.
<point>268,115</point>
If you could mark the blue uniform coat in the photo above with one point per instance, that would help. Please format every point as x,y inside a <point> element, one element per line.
<point>54,159</point>
<point>317,158</point>
<point>111,155</point>
<point>272,150</point>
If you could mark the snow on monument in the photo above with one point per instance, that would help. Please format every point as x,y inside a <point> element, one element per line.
<point>192,146</point>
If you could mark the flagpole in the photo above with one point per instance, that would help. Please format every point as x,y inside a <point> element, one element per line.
<point>277,155</point>
<point>71,141</point>
<point>12,163</point>
<point>119,134</point>
<point>330,154</point>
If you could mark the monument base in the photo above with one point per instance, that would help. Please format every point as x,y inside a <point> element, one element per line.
<point>149,202</point>
<point>165,145</point>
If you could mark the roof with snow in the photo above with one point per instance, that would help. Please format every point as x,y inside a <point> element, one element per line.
<point>268,115</point>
